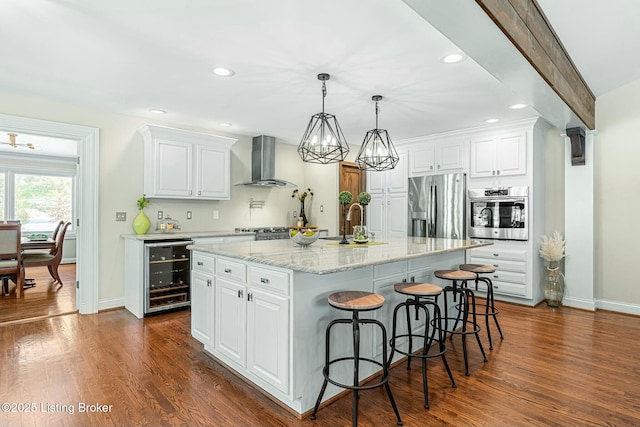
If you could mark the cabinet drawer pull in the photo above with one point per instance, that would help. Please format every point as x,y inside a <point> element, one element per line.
<point>496,265</point>
<point>200,263</point>
<point>496,254</point>
<point>264,280</point>
<point>240,293</point>
<point>495,276</point>
<point>227,270</point>
<point>249,297</point>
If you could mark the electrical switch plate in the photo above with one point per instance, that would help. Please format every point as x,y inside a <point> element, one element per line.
<point>188,214</point>
<point>321,208</point>
<point>160,214</point>
<point>121,216</point>
<point>295,214</point>
<point>216,215</point>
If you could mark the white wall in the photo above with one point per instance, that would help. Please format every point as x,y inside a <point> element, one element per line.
<point>121,151</point>
<point>617,201</point>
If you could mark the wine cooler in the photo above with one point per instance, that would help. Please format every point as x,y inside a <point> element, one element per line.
<point>168,275</point>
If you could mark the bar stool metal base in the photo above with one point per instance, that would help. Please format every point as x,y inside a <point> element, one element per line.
<point>432,327</point>
<point>355,321</point>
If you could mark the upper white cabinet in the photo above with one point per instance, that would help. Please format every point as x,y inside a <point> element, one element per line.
<point>437,157</point>
<point>499,155</point>
<point>182,164</point>
<point>387,211</point>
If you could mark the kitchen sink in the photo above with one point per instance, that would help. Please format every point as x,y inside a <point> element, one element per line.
<point>349,237</point>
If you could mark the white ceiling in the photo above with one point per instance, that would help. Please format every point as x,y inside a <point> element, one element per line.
<point>129,57</point>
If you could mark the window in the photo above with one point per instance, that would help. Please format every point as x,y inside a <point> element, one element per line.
<point>41,201</point>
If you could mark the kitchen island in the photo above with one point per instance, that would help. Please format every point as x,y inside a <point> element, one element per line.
<point>261,307</point>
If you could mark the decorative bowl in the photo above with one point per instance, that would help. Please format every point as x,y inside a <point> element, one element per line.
<point>303,237</point>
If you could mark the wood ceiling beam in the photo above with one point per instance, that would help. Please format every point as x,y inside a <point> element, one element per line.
<point>525,25</point>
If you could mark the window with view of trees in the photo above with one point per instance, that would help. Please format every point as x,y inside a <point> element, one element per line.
<point>43,200</point>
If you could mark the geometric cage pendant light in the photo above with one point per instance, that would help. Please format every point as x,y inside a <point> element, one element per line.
<point>323,141</point>
<point>377,151</point>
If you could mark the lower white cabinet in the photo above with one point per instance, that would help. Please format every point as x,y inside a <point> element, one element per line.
<point>202,298</point>
<point>252,320</point>
<point>511,275</point>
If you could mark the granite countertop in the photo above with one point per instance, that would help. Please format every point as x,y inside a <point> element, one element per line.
<point>326,256</point>
<point>185,235</point>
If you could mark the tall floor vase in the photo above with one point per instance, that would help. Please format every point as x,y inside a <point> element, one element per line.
<point>553,285</point>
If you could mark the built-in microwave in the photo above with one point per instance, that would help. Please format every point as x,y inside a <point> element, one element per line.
<point>499,213</point>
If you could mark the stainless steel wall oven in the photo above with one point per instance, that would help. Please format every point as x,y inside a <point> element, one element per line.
<point>499,213</point>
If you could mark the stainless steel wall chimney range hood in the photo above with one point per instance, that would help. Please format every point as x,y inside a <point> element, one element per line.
<point>263,164</point>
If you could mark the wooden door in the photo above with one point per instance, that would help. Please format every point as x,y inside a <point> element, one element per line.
<point>354,180</point>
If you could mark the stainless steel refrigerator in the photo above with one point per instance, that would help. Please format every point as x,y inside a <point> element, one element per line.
<point>437,206</point>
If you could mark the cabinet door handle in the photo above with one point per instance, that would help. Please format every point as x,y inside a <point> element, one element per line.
<point>249,297</point>
<point>264,280</point>
<point>240,293</point>
<point>200,263</point>
<point>208,282</point>
<point>431,167</point>
<point>493,172</point>
<point>413,279</point>
<point>190,192</point>
<point>438,166</point>
<point>497,172</point>
<point>227,270</point>
<point>496,254</point>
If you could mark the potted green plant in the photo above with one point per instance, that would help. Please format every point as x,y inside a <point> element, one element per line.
<point>345,197</point>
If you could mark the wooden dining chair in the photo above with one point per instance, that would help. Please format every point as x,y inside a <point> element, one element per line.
<point>11,257</point>
<point>51,259</point>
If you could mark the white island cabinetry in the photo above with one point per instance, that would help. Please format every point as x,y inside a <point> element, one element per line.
<point>271,311</point>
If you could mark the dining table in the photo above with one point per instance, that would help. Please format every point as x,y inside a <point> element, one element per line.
<point>27,243</point>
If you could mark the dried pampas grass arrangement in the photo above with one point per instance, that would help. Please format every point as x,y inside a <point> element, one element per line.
<point>552,248</point>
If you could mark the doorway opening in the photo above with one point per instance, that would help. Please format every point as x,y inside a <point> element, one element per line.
<point>86,215</point>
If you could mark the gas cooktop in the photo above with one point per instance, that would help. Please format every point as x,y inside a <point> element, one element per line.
<point>266,233</point>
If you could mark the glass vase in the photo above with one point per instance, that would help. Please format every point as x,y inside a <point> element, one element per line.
<point>141,223</point>
<point>553,284</point>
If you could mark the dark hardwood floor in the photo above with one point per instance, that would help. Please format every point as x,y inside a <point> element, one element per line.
<point>42,300</point>
<point>555,367</point>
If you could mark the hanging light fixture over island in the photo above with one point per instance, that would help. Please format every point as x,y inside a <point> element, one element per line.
<point>377,151</point>
<point>323,141</point>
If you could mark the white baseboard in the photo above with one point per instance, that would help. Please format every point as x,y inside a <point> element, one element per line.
<point>583,304</point>
<point>620,307</point>
<point>106,304</point>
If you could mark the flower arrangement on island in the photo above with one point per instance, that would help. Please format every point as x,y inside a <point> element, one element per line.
<point>302,197</point>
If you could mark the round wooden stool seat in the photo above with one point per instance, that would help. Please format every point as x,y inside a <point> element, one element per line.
<point>478,268</point>
<point>356,300</point>
<point>417,289</point>
<point>455,274</point>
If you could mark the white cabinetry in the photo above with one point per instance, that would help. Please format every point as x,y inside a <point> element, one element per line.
<point>511,275</point>
<point>252,320</point>
<point>387,211</point>
<point>202,297</point>
<point>499,155</point>
<point>436,157</point>
<point>181,164</point>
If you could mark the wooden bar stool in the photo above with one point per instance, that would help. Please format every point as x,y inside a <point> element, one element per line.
<point>356,302</point>
<point>433,330</point>
<point>490,308</point>
<point>466,307</point>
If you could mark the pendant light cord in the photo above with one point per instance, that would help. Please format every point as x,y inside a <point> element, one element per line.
<point>324,94</point>
<point>377,111</point>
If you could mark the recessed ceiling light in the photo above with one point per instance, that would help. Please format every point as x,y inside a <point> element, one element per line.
<point>222,71</point>
<point>492,120</point>
<point>226,125</point>
<point>157,111</point>
<point>453,58</point>
<point>518,106</point>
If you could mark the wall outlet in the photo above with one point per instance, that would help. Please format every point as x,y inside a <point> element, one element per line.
<point>121,216</point>
<point>216,215</point>
<point>160,215</point>
<point>321,208</point>
<point>295,214</point>
<point>188,214</point>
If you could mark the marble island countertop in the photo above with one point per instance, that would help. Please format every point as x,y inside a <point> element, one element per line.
<point>186,235</point>
<point>326,256</point>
